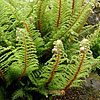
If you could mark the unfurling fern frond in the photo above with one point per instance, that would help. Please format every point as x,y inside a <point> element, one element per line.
<point>25,56</point>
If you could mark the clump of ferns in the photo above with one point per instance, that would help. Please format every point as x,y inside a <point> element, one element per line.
<point>65,68</point>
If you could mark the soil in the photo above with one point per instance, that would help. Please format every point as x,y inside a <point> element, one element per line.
<point>90,90</point>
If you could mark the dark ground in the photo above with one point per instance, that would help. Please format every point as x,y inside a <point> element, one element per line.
<point>89,91</point>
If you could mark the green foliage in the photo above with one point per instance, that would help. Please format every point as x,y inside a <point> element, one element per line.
<point>96,46</point>
<point>18,94</point>
<point>29,62</point>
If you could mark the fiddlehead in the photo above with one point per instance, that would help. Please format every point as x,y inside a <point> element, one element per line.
<point>83,48</point>
<point>57,49</point>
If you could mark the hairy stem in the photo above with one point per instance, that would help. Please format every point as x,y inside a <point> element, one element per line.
<point>25,59</point>
<point>39,15</point>
<point>73,6</point>
<point>29,13</point>
<point>77,71</point>
<point>59,15</point>
<point>27,28</point>
<point>54,67</point>
<point>82,3</point>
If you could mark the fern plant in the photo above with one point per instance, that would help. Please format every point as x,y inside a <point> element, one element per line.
<point>43,47</point>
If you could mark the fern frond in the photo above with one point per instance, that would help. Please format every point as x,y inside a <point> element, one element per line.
<point>37,39</point>
<point>29,55</point>
<point>60,12</point>
<point>24,56</point>
<point>54,68</point>
<point>73,24</point>
<point>18,94</point>
<point>41,19</point>
<point>6,59</point>
<point>76,3</point>
<point>96,63</point>
<point>77,72</point>
<point>94,36</point>
<point>7,25</point>
<point>83,14</point>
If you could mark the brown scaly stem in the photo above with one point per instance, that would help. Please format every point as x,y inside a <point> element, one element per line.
<point>25,49</point>
<point>27,28</point>
<point>2,76</point>
<point>25,59</point>
<point>82,3</point>
<point>39,12</point>
<point>77,72</point>
<point>73,6</point>
<point>54,68</point>
<point>39,25</point>
<point>59,15</point>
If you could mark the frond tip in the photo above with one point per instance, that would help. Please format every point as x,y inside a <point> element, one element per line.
<point>57,49</point>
